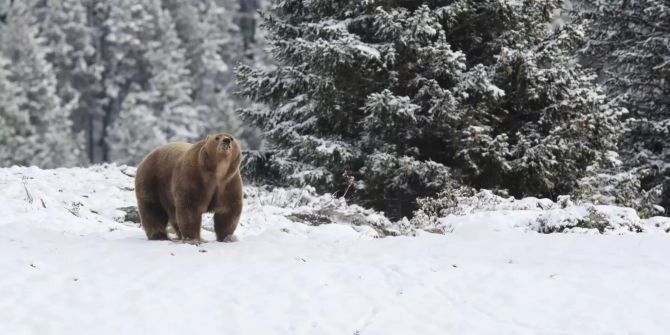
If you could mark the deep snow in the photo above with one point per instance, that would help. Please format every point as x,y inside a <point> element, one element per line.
<point>68,266</point>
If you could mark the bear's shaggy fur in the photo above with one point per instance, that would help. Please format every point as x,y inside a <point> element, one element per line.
<point>178,182</point>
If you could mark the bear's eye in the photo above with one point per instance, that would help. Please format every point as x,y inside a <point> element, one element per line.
<point>217,138</point>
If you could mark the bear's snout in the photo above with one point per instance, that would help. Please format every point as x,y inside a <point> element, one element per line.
<point>226,142</point>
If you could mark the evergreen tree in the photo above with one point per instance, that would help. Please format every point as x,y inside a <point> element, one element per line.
<point>15,127</point>
<point>389,97</point>
<point>72,52</point>
<point>213,47</point>
<point>215,91</point>
<point>170,83</point>
<point>49,141</point>
<point>132,41</point>
<point>136,131</point>
<point>629,43</point>
<point>246,20</point>
<point>127,28</point>
<point>147,55</point>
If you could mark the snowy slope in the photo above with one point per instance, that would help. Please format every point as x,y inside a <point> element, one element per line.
<point>69,266</point>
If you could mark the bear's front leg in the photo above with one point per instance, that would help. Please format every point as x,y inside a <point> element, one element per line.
<point>189,221</point>
<point>225,223</point>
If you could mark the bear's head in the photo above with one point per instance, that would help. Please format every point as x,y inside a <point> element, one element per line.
<point>222,151</point>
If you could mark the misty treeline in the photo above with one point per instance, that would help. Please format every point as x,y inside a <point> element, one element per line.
<point>399,105</point>
<point>86,81</point>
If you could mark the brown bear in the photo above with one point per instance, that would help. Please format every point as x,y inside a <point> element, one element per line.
<point>178,182</point>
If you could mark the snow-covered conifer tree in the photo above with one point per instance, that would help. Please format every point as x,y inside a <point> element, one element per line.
<point>170,82</point>
<point>213,48</point>
<point>49,141</point>
<point>71,49</point>
<point>147,55</point>
<point>392,96</point>
<point>136,131</point>
<point>629,43</point>
<point>128,28</point>
<point>15,127</point>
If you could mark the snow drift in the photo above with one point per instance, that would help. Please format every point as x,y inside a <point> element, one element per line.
<point>308,264</point>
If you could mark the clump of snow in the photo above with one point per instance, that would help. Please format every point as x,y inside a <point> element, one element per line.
<point>622,189</point>
<point>447,214</point>
<point>588,219</point>
<point>306,206</point>
<point>368,50</point>
<point>486,200</point>
<point>661,223</point>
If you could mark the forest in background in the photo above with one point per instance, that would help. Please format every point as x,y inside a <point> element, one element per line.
<point>400,106</point>
<point>86,81</point>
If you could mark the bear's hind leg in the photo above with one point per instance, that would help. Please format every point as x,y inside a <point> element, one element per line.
<point>154,220</point>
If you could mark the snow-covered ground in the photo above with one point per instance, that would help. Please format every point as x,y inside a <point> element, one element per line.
<point>70,265</point>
